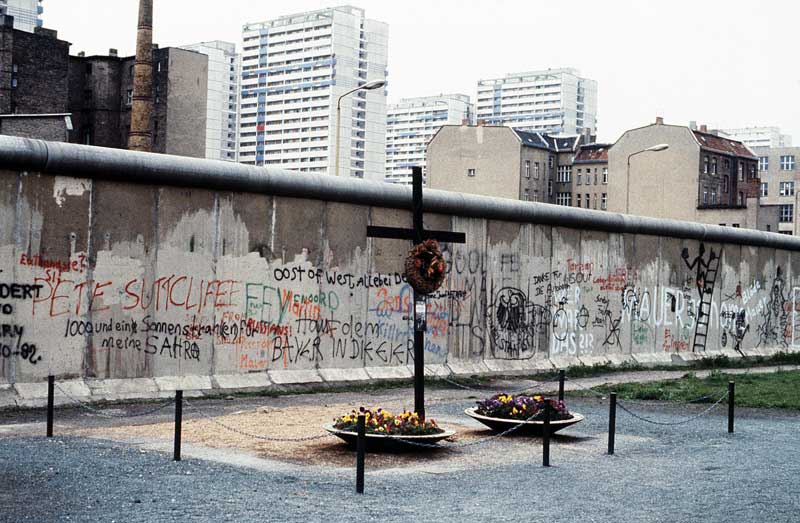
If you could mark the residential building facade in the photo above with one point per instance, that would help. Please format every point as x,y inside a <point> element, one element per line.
<point>779,174</point>
<point>294,71</point>
<point>101,95</point>
<point>554,101</point>
<point>759,136</point>
<point>411,123</point>
<point>502,162</point>
<point>33,82</point>
<point>701,177</point>
<point>27,13</point>
<point>222,106</point>
<point>590,177</point>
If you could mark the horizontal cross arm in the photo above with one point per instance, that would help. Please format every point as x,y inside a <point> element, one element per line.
<point>398,233</point>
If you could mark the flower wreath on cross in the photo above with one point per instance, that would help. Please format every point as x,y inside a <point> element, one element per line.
<point>425,267</point>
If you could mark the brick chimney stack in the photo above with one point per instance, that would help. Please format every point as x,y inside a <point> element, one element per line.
<point>659,120</point>
<point>703,128</point>
<point>141,135</point>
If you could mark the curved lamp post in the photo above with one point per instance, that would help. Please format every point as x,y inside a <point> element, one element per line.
<point>654,148</point>
<point>369,86</point>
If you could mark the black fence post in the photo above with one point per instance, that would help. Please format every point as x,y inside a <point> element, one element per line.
<point>612,421</point>
<point>178,420</point>
<point>51,390</point>
<point>546,436</point>
<point>561,377</point>
<point>360,449</point>
<point>731,390</point>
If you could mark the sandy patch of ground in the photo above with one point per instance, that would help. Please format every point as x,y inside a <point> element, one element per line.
<point>283,422</point>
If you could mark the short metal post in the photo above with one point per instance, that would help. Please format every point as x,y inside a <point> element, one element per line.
<point>731,390</point>
<point>561,377</point>
<point>178,420</point>
<point>360,449</point>
<point>612,421</point>
<point>51,390</point>
<point>546,436</point>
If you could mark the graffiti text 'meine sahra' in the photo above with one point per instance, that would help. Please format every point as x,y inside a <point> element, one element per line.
<point>61,295</point>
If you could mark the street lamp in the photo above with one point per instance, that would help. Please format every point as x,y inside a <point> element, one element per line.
<point>655,149</point>
<point>369,86</point>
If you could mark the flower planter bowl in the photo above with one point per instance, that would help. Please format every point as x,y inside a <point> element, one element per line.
<point>382,442</point>
<point>529,428</point>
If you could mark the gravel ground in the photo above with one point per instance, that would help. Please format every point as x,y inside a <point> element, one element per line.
<point>688,472</point>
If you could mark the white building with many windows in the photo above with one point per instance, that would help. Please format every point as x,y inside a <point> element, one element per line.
<point>412,122</point>
<point>759,136</point>
<point>294,70</point>
<point>223,98</point>
<point>27,13</point>
<point>556,101</point>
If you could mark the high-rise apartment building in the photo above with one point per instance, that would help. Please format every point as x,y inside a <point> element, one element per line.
<point>223,98</point>
<point>294,70</point>
<point>759,136</point>
<point>27,13</point>
<point>556,101</point>
<point>410,125</point>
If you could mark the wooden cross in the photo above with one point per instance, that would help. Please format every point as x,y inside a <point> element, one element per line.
<point>417,234</point>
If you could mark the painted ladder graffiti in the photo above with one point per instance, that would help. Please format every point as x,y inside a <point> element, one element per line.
<point>706,277</point>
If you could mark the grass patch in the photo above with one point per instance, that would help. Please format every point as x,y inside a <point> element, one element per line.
<point>774,390</point>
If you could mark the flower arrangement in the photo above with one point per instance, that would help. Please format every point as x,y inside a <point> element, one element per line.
<point>522,408</point>
<point>384,422</point>
<point>425,267</point>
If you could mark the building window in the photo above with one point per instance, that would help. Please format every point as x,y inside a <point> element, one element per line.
<point>763,163</point>
<point>726,165</point>
<point>764,189</point>
<point>470,172</point>
<point>787,189</point>
<point>741,172</point>
<point>752,172</point>
<point>787,162</point>
<point>536,195</point>
<point>605,175</point>
<point>713,165</point>
<point>769,227</point>
<point>726,183</point>
<point>525,195</point>
<point>735,225</point>
<point>787,213</point>
<point>564,198</point>
<point>604,202</point>
<point>578,179</point>
<point>594,204</point>
<point>578,200</point>
<point>550,163</point>
<point>588,200</point>
<point>705,164</point>
<point>741,199</point>
<point>705,195</point>
<point>550,188</point>
<point>527,168</point>
<point>535,170</point>
<point>564,174</point>
<point>713,196</point>
<point>129,98</point>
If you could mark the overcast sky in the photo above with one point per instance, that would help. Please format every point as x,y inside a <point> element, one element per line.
<point>724,63</point>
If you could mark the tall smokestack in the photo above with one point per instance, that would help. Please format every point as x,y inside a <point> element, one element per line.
<point>141,135</point>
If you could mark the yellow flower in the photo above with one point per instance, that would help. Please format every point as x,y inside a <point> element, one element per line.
<point>514,410</point>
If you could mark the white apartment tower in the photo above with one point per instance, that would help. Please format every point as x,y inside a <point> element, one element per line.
<point>26,13</point>
<point>759,136</point>
<point>222,105</point>
<point>410,125</point>
<point>294,70</point>
<point>555,101</point>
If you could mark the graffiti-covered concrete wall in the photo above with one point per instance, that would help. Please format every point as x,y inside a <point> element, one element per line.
<point>126,274</point>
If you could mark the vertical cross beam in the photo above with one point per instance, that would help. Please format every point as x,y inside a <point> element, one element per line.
<point>419,302</point>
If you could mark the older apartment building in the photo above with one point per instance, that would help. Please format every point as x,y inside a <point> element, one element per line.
<point>699,177</point>
<point>503,162</point>
<point>780,173</point>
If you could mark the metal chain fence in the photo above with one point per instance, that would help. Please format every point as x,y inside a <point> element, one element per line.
<point>101,413</point>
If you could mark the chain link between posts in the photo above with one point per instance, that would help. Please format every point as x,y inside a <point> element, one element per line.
<point>671,423</point>
<point>101,413</point>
